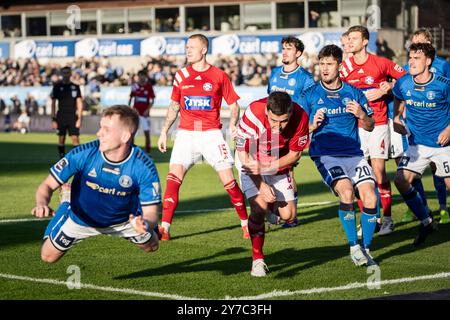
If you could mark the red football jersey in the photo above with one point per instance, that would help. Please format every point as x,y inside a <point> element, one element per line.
<point>200,96</point>
<point>369,75</point>
<point>142,96</point>
<point>256,137</point>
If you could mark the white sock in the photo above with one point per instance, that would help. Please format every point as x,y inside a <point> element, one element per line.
<point>426,221</point>
<point>166,226</point>
<point>244,223</point>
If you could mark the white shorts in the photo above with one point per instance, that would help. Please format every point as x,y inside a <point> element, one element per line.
<point>67,232</point>
<point>335,168</point>
<point>418,157</point>
<point>281,184</point>
<point>191,146</point>
<point>375,144</point>
<point>398,142</point>
<point>144,123</point>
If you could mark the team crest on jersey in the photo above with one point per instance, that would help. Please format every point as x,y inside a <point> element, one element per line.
<point>125,181</point>
<point>61,164</point>
<point>346,101</point>
<point>207,86</point>
<point>431,95</point>
<point>292,82</point>
<point>369,80</point>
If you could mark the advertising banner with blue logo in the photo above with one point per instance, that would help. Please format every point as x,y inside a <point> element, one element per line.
<point>4,50</point>
<point>156,46</point>
<point>120,95</point>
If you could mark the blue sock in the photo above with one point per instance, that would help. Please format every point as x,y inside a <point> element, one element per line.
<point>62,212</point>
<point>441,189</point>
<point>415,204</point>
<point>348,221</point>
<point>418,185</point>
<point>368,223</point>
<point>378,202</point>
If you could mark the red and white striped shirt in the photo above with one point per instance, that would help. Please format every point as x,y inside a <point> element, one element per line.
<point>256,138</point>
<point>200,96</point>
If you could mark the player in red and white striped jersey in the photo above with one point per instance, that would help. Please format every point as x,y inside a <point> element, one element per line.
<point>197,94</point>
<point>369,73</point>
<point>271,136</point>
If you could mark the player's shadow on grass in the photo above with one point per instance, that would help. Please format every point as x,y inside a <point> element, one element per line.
<point>438,237</point>
<point>17,234</point>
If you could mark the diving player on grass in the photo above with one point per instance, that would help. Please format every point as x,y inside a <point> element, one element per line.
<point>334,108</point>
<point>113,181</point>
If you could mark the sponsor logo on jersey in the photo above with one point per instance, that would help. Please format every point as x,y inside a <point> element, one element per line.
<point>187,87</point>
<point>431,95</point>
<point>125,181</point>
<point>320,101</point>
<point>61,164</point>
<point>398,68</point>
<point>207,86</point>
<point>198,78</point>
<point>408,93</point>
<point>350,216</point>
<point>111,191</point>
<point>369,80</point>
<point>197,103</point>
<point>302,141</point>
<point>360,71</point>
<point>353,81</point>
<point>419,88</point>
<point>288,91</point>
<point>240,142</point>
<point>111,169</point>
<point>92,173</point>
<point>292,82</point>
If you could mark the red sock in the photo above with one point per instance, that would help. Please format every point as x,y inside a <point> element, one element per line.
<point>237,199</point>
<point>385,198</point>
<point>170,201</point>
<point>360,205</point>
<point>256,231</point>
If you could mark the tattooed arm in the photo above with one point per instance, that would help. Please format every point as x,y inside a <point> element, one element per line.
<point>172,114</point>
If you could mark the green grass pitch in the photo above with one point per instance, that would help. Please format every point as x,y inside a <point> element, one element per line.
<point>207,258</point>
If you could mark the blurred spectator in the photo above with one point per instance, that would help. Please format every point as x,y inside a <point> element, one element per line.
<point>31,105</point>
<point>7,120</point>
<point>383,49</point>
<point>22,124</point>
<point>16,105</point>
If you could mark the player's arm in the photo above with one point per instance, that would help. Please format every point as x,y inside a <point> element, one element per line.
<point>366,121</point>
<point>234,118</point>
<point>172,114</point>
<point>319,116</point>
<point>287,160</point>
<point>399,107</point>
<point>252,168</point>
<point>79,103</point>
<point>148,221</point>
<point>43,196</point>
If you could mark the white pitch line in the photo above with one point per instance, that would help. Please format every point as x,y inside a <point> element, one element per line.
<point>99,288</point>
<point>273,294</point>
<point>301,205</point>
<point>356,285</point>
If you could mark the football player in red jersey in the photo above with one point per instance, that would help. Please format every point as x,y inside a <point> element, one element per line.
<point>369,73</point>
<point>197,95</point>
<point>143,95</point>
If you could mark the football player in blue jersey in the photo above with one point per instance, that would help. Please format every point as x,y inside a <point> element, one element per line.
<point>440,67</point>
<point>291,78</point>
<point>426,97</point>
<point>113,181</point>
<point>334,108</point>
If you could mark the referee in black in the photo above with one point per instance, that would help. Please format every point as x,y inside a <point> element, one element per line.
<point>70,108</point>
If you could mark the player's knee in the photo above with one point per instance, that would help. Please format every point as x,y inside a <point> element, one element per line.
<point>369,199</point>
<point>401,182</point>
<point>347,195</point>
<point>49,258</point>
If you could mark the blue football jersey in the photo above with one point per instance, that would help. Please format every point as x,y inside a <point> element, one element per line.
<point>427,108</point>
<point>104,193</point>
<point>440,67</point>
<point>338,134</point>
<point>293,83</point>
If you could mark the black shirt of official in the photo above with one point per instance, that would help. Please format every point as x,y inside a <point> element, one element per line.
<point>66,94</point>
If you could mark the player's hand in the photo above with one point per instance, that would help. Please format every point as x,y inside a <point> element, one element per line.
<point>162,143</point>
<point>78,124</point>
<point>233,132</point>
<point>355,108</point>
<point>318,118</point>
<point>444,137</point>
<point>267,193</point>
<point>385,87</point>
<point>399,127</point>
<point>54,125</point>
<point>42,211</point>
<point>138,223</point>
<point>251,167</point>
<point>374,94</point>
